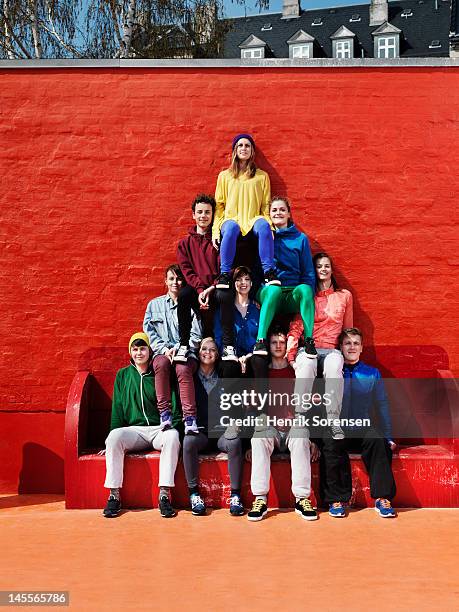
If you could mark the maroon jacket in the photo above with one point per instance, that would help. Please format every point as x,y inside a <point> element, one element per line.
<point>198,259</point>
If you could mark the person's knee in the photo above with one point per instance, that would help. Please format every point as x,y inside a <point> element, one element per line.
<point>171,439</point>
<point>304,292</point>
<point>230,227</point>
<point>261,226</point>
<point>305,366</point>
<point>190,444</point>
<point>271,294</point>
<point>333,365</point>
<point>114,439</point>
<point>161,363</point>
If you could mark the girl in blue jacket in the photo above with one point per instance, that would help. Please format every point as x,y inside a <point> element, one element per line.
<point>295,270</point>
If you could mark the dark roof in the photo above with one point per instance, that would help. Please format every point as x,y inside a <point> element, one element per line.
<point>430,21</point>
<point>455,19</point>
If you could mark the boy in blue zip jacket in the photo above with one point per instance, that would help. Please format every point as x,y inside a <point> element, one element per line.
<point>135,425</point>
<point>364,395</point>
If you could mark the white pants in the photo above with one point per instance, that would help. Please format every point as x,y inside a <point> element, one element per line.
<point>300,463</point>
<point>306,372</point>
<point>137,438</point>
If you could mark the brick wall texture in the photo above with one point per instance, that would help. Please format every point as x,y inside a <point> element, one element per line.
<point>99,167</point>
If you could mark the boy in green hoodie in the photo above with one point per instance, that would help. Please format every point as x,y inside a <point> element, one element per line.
<point>135,426</point>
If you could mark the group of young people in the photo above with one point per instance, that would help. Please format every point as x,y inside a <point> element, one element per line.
<point>243,265</point>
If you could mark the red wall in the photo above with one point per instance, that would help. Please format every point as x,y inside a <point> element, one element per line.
<point>98,171</point>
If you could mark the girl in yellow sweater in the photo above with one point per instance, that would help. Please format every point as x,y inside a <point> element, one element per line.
<point>242,194</point>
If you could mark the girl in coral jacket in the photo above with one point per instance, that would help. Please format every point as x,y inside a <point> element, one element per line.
<point>333,313</point>
<point>242,195</point>
<point>295,269</point>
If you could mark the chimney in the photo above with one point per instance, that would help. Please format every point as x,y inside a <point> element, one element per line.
<point>290,9</point>
<point>379,12</point>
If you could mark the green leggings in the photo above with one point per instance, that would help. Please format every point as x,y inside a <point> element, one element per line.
<point>285,300</point>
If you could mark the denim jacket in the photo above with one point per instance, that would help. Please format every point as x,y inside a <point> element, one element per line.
<point>161,326</point>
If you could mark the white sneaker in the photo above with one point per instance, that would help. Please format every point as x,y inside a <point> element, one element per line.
<point>229,354</point>
<point>181,356</point>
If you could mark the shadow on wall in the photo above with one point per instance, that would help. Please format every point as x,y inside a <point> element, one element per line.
<point>42,470</point>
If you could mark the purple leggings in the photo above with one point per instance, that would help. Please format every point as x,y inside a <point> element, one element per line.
<point>162,368</point>
<point>230,233</point>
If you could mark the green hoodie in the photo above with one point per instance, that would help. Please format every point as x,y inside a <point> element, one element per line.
<point>134,400</point>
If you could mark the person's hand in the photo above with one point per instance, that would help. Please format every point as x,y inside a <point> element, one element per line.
<point>203,298</point>
<point>101,453</point>
<point>243,362</point>
<point>392,445</point>
<point>216,244</point>
<point>315,452</point>
<point>248,455</point>
<point>169,353</point>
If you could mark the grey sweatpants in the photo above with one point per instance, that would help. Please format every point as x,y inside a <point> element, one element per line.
<point>192,444</point>
<point>137,438</point>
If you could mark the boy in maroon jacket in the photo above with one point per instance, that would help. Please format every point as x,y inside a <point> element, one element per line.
<point>199,263</point>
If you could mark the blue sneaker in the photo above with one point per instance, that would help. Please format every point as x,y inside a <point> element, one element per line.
<point>198,507</point>
<point>166,420</point>
<point>236,507</point>
<point>337,510</point>
<point>191,426</point>
<point>384,508</point>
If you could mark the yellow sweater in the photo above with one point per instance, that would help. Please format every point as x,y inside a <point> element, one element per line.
<point>241,199</point>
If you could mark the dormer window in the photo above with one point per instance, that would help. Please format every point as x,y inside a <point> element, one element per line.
<point>266,27</point>
<point>387,41</point>
<point>252,48</point>
<point>317,21</point>
<point>300,45</point>
<point>343,43</point>
<point>355,17</point>
<point>407,13</point>
<point>435,44</point>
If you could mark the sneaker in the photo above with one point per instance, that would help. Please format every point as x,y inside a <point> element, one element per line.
<point>236,507</point>
<point>336,432</point>
<point>224,281</point>
<point>198,507</point>
<point>231,432</point>
<point>260,348</point>
<point>229,354</point>
<point>191,426</point>
<point>337,510</point>
<point>181,356</point>
<point>305,509</point>
<point>258,511</point>
<point>271,278</point>
<point>113,507</point>
<point>384,508</point>
<point>310,348</point>
<point>165,508</point>
<point>166,420</point>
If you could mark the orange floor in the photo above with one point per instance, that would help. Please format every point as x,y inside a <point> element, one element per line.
<point>140,561</point>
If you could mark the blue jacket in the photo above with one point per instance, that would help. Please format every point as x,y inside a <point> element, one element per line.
<point>293,259</point>
<point>364,394</point>
<point>245,330</point>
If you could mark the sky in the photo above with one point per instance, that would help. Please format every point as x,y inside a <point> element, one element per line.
<point>275,6</point>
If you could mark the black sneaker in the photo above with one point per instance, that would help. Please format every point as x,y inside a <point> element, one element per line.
<point>236,507</point>
<point>165,507</point>
<point>224,281</point>
<point>310,348</point>
<point>113,507</point>
<point>229,353</point>
<point>271,278</point>
<point>260,348</point>
<point>259,510</point>
<point>305,510</point>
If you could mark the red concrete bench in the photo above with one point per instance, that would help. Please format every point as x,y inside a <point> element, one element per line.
<point>426,468</point>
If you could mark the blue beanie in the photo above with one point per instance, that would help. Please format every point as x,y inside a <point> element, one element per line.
<point>239,136</point>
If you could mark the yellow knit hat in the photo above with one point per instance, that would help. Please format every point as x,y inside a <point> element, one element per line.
<point>139,336</point>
